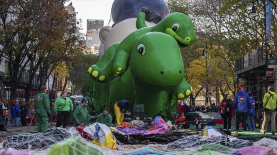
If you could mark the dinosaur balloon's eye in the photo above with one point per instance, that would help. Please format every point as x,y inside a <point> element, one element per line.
<point>175,27</point>
<point>141,49</point>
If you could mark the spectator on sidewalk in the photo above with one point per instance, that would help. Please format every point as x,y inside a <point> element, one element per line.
<point>259,110</point>
<point>242,103</point>
<point>269,103</point>
<point>220,111</point>
<point>6,104</point>
<point>15,113</point>
<point>251,114</point>
<point>180,108</point>
<point>2,103</point>
<point>23,113</point>
<point>227,111</point>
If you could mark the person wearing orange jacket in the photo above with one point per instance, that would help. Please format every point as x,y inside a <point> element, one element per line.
<point>227,111</point>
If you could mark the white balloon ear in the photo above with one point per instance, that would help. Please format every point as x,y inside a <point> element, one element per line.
<point>101,50</point>
<point>104,33</point>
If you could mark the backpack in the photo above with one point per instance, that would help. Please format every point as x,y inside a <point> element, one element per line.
<point>138,108</point>
<point>139,111</point>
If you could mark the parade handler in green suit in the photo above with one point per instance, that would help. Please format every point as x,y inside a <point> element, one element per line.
<point>63,106</point>
<point>42,109</point>
<point>90,106</point>
<point>105,117</point>
<point>81,114</point>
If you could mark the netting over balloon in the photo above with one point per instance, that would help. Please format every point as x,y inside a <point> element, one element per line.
<point>196,141</point>
<point>37,141</point>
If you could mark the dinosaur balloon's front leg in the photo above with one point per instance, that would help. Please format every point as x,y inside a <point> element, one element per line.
<point>120,62</point>
<point>102,70</point>
<point>182,91</point>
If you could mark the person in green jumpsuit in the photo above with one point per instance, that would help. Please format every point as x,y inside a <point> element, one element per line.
<point>63,106</point>
<point>42,109</point>
<point>90,106</point>
<point>72,98</point>
<point>81,114</point>
<point>105,117</point>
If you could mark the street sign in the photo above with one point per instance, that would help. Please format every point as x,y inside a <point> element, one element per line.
<point>209,94</point>
<point>272,66</point>
<point>269,73</point>
<point>44,69</point>
<point>268,10</point>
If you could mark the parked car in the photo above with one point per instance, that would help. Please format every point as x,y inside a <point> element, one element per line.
<point>79,99</point>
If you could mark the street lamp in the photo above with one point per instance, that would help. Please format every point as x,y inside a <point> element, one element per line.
<point>203,54</point>
<point>72,93</point>
<point>271,59</point>
<point>253,12</point>
<point>207,65</point>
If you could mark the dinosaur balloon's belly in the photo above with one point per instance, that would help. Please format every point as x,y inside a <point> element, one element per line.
<point>126,88</point>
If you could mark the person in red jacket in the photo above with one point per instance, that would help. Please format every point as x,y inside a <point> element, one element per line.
<point>180,108</point>
<point>227,110</point>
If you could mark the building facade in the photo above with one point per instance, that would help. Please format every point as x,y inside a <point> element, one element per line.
<point>252,71</point>
<point>92,35</point>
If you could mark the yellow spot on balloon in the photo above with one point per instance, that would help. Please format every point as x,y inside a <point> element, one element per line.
<point>89,70</point>
<point>180,96</point>
<point>95,73</point>
<point>191,89</point>
<point>119,69</point>
<point>188,92</point>
<point>114,75</point>
<point>102,78</point>
<point>117,72</point>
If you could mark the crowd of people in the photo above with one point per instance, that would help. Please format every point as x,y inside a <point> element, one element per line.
<point>246,110</point>
<point>64,108</point>
<point>243,109</point>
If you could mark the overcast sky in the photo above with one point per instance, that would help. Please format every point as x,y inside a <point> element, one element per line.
<point>92,9</point>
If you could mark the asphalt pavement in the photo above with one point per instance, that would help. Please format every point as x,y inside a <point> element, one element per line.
<point>20,130</point>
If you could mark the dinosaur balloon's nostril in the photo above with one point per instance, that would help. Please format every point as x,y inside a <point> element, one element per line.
<point>162,72</point>
<point>180,71</point>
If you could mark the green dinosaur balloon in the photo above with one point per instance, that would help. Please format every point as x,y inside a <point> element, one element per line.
<point>116,62</point>
<point>154,76</point>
